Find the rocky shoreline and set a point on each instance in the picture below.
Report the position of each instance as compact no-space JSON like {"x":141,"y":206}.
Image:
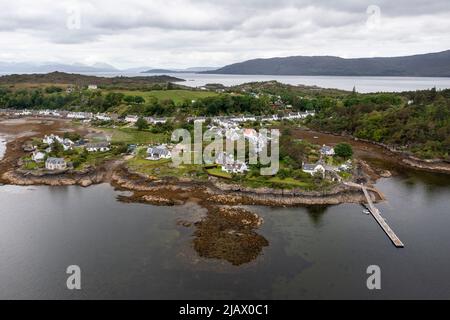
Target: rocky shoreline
{"x":64,"y":178}
{"x":172,"y":191}
{"x":404,"y":158}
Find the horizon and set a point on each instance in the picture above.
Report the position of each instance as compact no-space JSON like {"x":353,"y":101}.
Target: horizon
{"x":147,"y":68}
{"x":184,"y":34}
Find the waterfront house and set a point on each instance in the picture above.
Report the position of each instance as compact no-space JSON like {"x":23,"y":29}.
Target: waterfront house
{"x":235,"y":167}
{"x":98,"y":147}
{"x":223,"y":158}
{"x":312,"y":169}
{"x":66,"y":143}
{"x":327,"y":151}
{"x":159,"y":152}
{"x":55,"y":164}
{"x":38,"y":156}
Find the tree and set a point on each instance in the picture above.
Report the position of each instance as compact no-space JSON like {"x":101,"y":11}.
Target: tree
{"x":141,"y":124}
{"x":57,"y":149}
{"x":343,"y":150}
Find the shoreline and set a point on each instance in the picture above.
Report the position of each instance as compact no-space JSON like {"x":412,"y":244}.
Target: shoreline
{"x":172,"y":191}
{"x":402,"y":158}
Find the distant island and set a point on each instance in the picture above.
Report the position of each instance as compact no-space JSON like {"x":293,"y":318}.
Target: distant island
{"x":187,"y":70}
{"x":422,"y":65}
{"x":86,"y":80}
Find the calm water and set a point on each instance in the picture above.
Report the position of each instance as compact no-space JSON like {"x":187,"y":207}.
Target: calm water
{"x":362,"y":84}
{"x":139,"y":251}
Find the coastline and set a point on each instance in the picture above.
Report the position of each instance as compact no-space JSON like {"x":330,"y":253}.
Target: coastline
{"x":171,"y":191}
{"x":401,"y":157}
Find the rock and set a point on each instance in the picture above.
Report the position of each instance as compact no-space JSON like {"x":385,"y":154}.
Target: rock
{"x":385,"y":174}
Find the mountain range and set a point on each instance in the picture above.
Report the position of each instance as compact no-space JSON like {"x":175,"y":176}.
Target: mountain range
{"x":421,"y":65}
{"x":187,"y":70}
{"x":27,"y":67}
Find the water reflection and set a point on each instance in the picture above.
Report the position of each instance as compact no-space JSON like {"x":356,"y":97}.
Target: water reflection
{"x":316,"y":213}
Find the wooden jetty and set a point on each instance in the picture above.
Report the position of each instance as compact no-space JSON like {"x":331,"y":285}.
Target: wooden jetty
{"x":376,"y":214}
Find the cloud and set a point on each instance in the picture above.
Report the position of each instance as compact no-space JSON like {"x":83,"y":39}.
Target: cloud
{"x":183,"y":33}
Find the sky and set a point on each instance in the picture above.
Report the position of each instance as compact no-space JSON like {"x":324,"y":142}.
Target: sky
{"x":191,"y":33}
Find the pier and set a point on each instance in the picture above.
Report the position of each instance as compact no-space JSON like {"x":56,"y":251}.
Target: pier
{"x":377,"y":215}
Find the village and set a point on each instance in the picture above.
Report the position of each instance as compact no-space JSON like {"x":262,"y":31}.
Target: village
{"x":55,"y":153}
{"x":320,"y":165}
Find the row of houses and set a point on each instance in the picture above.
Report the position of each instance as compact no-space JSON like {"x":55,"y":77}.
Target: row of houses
{"x":229,"y":164}
{"x":133,"y":119}
{"x":321,"y":167}
{"x":52,"y":163}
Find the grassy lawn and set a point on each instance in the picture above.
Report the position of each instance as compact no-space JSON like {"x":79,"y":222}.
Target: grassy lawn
{"x":178,"y":96}
{"x":134,"y":136}
{"x":165,"y":168}
{"x":217,"y":172}
{"x":290,"y":181}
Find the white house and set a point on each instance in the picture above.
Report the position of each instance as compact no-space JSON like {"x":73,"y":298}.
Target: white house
{"x":223,"y":158}
{"x":66,"y":143}
{"x":102,"y":117}
{"x":98,"y":147}
{"x":44,"y":113}
{"x":313,"y":168}
{"x":51,"y":138}
{"x":23,"y":113}
{"x":55,"y":164}
{"x":131,"y":119}
{"x":235,"y":167}
{"x":159,"y":120}
{"x":92,"y":87}
{"x":38,"y":156}
{"x":233,"y":134}
{"x":327,"y":151}
{"x":79,"y":115}
{"x":159,"y":152}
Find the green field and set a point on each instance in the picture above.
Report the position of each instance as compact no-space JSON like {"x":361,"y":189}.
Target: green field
{"x":134,"y":136}
{"x":178,"y":96}
{"x":217,"y":172}
{"x":165,"y":168}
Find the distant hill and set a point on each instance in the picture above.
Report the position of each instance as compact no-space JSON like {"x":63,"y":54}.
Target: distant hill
{"x":25,"y":67}
{"x":187,"y":70}
{"x":422,"y":65}
{"x":84,"y":80}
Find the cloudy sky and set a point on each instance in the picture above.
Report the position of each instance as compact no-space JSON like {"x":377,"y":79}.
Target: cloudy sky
{"x":186,"y":33}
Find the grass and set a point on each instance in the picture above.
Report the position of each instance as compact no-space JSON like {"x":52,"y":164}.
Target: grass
{"x":165,"y":168}
{"x":217,"y":172}
{"x":134,"y":136}
{"x":178,"y":96}
{"x":290,"y":181}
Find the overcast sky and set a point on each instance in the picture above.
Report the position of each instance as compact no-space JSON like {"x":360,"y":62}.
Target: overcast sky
{"x":186,"y":33}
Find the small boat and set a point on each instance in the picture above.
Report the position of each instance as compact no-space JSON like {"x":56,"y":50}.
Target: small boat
{"x":365,"y":211}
